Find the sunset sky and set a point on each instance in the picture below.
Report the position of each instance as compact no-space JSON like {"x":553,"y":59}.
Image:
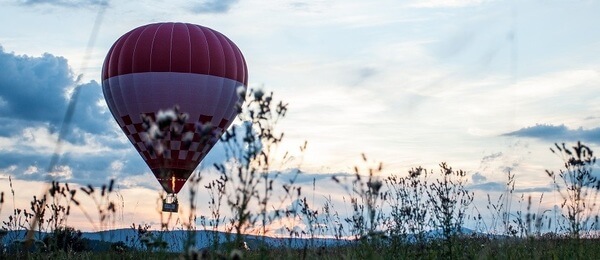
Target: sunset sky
{"x":487,"y":86}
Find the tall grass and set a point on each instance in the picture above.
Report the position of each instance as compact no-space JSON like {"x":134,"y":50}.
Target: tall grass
{"x":423,"y":213}
{"x":578,"y":188}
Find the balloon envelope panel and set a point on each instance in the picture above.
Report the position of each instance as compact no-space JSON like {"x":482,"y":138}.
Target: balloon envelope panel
{"x":175,"y":47}
{"x":159,"y":66}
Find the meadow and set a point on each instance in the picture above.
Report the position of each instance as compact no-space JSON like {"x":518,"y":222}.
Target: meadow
{"x":420,"y":214}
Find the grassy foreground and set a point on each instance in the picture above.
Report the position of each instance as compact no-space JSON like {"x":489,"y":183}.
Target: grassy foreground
{"x":466,"y":248}
{"x":388,"y":216}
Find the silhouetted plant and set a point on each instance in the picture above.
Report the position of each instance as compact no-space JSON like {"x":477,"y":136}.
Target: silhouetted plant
{"x":119,"y":247}
{"x":20,"y":219}
{"x":409,"y":206}
{"x":529,"y":223}
{"x":418,"y":203}
{"x":106,"y":208}
{"x":67,"y":239}
{"x":250,"y":147}
{"x":290,"y":215}
{"x":169,"y":123}
{"x":366,"y":198}
{"x":576,"y":185}
{"x":501,"y":209}
{"x":314,"y":221}
{"x":311,"y":219}
{"x":332,"y":219}
{"x":61,"y":198}
{"x":449,"y":201}
{"x":216,"y":192}
{"x":147,"y":239}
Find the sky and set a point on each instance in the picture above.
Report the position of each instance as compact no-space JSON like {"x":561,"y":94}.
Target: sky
{"x":487,"y":86}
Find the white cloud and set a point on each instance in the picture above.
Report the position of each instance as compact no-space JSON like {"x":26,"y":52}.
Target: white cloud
{"x":117,"y":166}
{"x":40,"y":140}
{"x":61,"y":172}
{"x":9,"y":169}
{"x":32,"y":169}
{"x":145,"y":180}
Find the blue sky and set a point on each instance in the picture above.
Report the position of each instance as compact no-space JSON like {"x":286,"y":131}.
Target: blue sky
{"x":483,"y":85}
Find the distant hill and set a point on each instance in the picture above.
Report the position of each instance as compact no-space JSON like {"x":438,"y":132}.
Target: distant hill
{"x":177,"y":239}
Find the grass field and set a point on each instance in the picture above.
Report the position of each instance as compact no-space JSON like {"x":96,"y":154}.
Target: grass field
{"x":417,"y":215}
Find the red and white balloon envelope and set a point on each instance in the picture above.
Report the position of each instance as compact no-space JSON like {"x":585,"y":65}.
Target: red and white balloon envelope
{"x":162,"y":66}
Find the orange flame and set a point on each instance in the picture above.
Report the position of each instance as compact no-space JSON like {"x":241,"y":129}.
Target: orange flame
{"x":173,"y":183}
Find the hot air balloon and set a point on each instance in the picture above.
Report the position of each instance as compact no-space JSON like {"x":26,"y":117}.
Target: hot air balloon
{"x":160,"y":66}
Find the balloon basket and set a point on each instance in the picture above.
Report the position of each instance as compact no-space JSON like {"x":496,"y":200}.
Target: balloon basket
{"x":170,"y":204}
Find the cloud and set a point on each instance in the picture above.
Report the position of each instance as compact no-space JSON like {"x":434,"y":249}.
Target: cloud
{"x":501,"y":187}
{"x":33,"y":88}
{"x":66,"y":3}
{"x":316,"y":177}
{"x":61,"y":172}
{"x":488,"y":186}
{"x":34,"y":91}
{"x":34,"y":99}
{"x":535,"y":189}
{"x":28,"y":163}
{"x":90,"y":114}
{"x":214,"y":6}
{"x":491,"y":157}
{"x":558,"y":133}
{"x":478,"y":178}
